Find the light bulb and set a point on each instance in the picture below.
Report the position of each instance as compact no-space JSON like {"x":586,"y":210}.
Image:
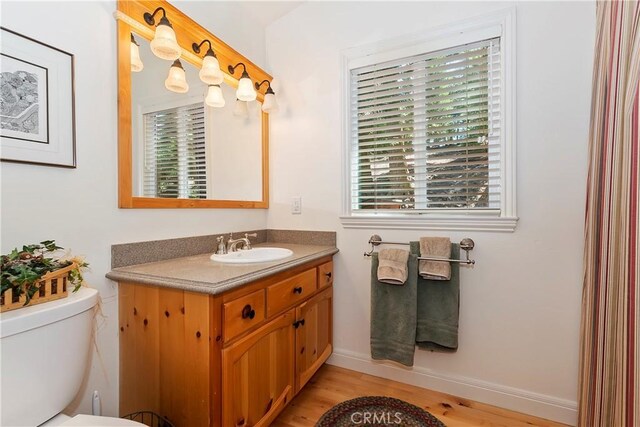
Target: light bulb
{"x":270,"y":105}
{"x":245,"y":91}
{"x":241,"y":109}
{"x":214,"y":97}
{"x":210,"y":73}
{"x":164,"y":44}
{"x":136,"y":62}
{"x":177,"y":79}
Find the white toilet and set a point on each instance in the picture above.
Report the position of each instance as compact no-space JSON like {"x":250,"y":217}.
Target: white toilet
{"x":44,"y":353}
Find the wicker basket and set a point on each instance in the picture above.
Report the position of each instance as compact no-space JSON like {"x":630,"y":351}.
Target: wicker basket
{"x":52,"y":286}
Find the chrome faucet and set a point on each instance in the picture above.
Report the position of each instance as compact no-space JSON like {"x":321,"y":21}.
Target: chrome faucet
{"x":232,"y":244}
{"x":222,"y":249}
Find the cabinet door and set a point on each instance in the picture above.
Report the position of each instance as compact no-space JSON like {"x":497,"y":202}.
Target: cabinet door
{"x":313,"y":335}
{"x":258,"y":374}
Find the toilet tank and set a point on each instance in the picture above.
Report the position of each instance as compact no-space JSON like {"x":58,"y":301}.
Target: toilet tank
{"x":44,"y":351}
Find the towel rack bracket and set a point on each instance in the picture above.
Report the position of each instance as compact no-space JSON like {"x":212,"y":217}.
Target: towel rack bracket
{"x":466,"y":244}
{"x":375,"y":240}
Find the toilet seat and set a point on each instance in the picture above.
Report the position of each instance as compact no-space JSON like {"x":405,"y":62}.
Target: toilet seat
{"x":62,"y":420}
{"x":94,"y":421}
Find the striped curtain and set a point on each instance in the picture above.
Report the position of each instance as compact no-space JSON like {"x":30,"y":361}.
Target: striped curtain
{"x":610,"y":346}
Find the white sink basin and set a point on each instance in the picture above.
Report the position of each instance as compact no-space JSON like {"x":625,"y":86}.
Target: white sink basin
{"x":253,"y":255}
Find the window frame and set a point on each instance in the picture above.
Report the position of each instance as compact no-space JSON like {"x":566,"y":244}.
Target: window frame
{"x":496,"y":24}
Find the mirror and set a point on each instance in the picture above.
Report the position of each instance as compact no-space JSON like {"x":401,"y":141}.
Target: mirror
{"x":182,"y":147}
{"x":174,"y":150}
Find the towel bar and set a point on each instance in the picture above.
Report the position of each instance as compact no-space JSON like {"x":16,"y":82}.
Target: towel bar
{"x":465,"y":244}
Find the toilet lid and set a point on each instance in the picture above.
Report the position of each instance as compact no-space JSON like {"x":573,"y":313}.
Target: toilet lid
{"x":93,"y":421}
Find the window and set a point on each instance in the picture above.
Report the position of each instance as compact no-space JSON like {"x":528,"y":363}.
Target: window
{"x":175,"y":151}
{"x":426,"y":135}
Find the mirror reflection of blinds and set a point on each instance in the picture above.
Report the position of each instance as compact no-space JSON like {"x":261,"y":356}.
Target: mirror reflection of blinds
{"x":425,"y":131}
{"x":175,"y":153}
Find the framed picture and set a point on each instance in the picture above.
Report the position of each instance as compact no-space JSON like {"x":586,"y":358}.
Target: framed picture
{"x":37,"y":123}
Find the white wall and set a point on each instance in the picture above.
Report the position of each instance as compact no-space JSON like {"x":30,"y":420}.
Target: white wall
{"x":239,"y":24}
{"x":78,"y":207}
{"x":520,"y":307}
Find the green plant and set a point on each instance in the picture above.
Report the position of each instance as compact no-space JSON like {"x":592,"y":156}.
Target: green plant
{"x":22,"y":270}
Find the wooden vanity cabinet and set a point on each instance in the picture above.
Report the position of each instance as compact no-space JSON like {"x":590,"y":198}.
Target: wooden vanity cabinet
{"x":234,"y":359}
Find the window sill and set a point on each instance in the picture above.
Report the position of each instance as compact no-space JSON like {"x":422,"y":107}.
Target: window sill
{"x":440,"y":222}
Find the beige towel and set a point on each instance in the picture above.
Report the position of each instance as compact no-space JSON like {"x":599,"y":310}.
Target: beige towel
{"x":392,"y":268}
{"x":435,"y":247}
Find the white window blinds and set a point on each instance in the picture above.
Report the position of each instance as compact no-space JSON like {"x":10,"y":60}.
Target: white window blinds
{"x":175,"y":151}
{"x":425,"y":131}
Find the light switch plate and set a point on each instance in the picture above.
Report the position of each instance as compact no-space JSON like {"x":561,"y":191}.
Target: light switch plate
{"x":296,"y":205}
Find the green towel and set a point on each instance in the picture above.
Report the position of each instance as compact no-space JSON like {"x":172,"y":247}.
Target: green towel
{"x":438,"y":308}
{"x":393,"y":316}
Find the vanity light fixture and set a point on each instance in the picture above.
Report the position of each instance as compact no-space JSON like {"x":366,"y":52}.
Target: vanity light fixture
{"x":245,"y":91}
{"x":210,"y":73}
{"x":177,"y":79}
{"x":241,"y":109}
{"x":164,"y":44}
{"x":136,"y":62}
{"x":214,"y":97}
{"x":270,"y":105}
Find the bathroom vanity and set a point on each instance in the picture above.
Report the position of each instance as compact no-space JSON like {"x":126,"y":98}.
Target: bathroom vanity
{"x":204,"y":343}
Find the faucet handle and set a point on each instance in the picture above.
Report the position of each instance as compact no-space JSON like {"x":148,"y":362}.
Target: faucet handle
{"x":221,"y":250}
{"x":248,"y":243}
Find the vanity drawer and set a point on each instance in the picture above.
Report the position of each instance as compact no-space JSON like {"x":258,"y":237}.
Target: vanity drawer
{"x":325,"y":274}
{"x":242,"y":314}
{"x":290,"y":291}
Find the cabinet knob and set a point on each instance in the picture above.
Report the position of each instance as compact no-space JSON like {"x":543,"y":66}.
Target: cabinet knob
{"x":328,"y":275}
{"x":297,"y":290}
{"x":248,"y":312}
{"x":298,"y":323}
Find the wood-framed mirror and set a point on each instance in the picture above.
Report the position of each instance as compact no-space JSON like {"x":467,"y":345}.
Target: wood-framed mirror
{"x":174,"y":150}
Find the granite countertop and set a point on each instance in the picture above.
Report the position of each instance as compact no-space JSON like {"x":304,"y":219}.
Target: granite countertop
{"x":198,"y":273}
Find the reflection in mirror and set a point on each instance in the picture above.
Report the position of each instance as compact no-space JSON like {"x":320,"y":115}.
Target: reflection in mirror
{"x":182,"y":147}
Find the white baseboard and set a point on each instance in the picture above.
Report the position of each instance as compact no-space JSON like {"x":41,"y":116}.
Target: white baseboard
{"x":539,"y":405}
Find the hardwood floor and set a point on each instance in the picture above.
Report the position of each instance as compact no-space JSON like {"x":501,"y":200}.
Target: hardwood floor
{"x":332,"y":385}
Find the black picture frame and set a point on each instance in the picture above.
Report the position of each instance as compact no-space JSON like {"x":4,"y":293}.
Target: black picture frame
{"x":34,"y":139}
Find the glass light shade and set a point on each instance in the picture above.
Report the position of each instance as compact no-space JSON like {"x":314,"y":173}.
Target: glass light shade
{"x":245,"y":91}
{"x":164,"y":44}
{"x":136,"y":62}
{"x":241,"y":109}
{"x":214,"y":97}
{"x":177,"y":79}
{"x":270,"y":105}
{"x":210,"y":73}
